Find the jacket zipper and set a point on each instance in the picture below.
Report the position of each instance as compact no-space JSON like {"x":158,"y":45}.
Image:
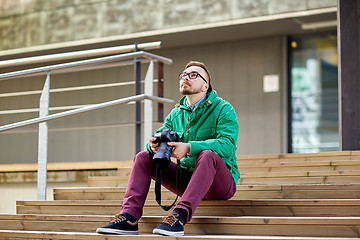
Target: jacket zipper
{"x":187,"y":128}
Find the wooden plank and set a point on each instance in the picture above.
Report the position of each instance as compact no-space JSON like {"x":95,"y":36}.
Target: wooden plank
{"x":302,"y":173}
{"x":53,"y":176}
{"x":281,"y":226}
{"x":298,"y":194}
{"x":239,"y":195}
{"x":284,"y":169}
{"x":213,"y":203}
{"x":259,"y":181}
{"x":5,"y":234}
{"x":275,"y":207}
{"x":301,"y":180}
{"x":256,"y":169}
{"x":261,"y":157}
{"x":321,"y":161}
{"x":355,"y":153}
{"x":320,"y":154}
{"x":115,"y":195}
{"x":124,"y":171}
{"x":128,"y":164}
{"x":108,"y":181}
{"x":322,"y":187}
{"x":296,"y":155}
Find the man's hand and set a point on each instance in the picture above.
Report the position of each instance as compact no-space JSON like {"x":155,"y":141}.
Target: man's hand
{"x":154,"y":146}
{"x":180,"y":149}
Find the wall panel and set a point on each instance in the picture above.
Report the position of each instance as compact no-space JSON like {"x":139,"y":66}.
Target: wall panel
{"x":237,"y":69}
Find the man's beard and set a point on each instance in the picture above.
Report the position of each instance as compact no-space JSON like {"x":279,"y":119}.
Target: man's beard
{"x":185,"y":91}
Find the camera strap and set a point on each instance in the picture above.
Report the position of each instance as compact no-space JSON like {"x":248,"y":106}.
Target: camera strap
{"x":158,"y":185}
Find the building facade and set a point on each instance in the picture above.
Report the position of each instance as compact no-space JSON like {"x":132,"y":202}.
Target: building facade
{"x":275,"y":61}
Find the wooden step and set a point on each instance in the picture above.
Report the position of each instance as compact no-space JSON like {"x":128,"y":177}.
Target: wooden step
{"x":15,"y":234}
{"x":108,"y":181}
{"x":118,"y":181}
{"x":263,"y":226}
{"x":285,"y":165}
{"x":321,"y":191}
{"x":271,"y":207}
{"x":299,"y":155}
{"x":298,"y":180}
{"x":298,"y":160}
{"x":322,"y":169}
{"x":284,"y":171}
{"x":106,"y":193}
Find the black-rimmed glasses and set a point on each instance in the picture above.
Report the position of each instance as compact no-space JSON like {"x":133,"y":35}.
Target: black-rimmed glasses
{"x":191,"y":75}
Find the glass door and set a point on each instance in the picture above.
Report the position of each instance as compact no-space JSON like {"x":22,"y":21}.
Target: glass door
{"x":314,"y":94}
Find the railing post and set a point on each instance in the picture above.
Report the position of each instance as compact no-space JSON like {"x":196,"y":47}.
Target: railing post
{"x":43,"y":142}
{"x":137,"y":70}
{"x":148,"y":104}
{"x":160,"y":73}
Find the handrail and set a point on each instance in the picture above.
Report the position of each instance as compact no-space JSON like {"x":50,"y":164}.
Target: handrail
{"x":84,"y":109}
{"x":86,"y":62}
{"x":79,"y":54}
{"x":137,"y":57}
{"x":69,"y":89}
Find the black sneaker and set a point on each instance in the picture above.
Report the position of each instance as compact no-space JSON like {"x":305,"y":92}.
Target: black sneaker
{"x":123,"y":224}
{"x":171,"y":226}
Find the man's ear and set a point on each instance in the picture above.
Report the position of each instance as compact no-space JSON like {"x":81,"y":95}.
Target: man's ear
{"x":205,"y":88}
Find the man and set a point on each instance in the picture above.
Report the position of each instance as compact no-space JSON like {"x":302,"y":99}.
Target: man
{"x":208,"y":128}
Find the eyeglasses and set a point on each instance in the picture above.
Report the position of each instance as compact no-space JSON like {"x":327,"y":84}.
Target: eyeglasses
{"x":191,"y":75}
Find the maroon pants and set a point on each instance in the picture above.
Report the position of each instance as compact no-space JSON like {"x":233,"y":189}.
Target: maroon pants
{"x":210,"y":180}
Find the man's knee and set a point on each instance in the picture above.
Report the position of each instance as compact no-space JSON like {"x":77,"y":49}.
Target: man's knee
{"x":207,"y":156}
{"x":143,"y":157}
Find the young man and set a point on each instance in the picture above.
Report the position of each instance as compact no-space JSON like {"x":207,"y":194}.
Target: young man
{"x":208,"y":128}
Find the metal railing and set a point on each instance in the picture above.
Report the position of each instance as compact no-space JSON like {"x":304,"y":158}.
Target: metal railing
{"x":44,"y":117}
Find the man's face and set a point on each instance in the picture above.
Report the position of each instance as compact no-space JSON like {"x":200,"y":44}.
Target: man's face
{"x":193,"y":86}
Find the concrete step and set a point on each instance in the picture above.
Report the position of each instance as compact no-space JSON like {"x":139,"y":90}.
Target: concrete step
{"x":14,"y":234}
{"x":244,"y":192}
{"x":270,"y":207}
{"x":263,"y":226}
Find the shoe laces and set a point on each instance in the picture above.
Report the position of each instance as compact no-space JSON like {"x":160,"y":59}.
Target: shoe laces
{"x":171,"y":219}
{"x":121,"y":218}
{"x":118,"y":218}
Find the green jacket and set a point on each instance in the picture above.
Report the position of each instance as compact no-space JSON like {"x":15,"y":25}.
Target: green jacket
{"x":211,"y":126}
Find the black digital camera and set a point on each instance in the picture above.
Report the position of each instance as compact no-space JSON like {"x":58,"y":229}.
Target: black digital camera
{"x":163,"y":155}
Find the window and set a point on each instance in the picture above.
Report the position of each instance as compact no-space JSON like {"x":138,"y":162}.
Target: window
{"x":314,"y":94}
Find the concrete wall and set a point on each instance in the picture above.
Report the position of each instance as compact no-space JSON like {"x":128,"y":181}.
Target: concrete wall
{"x":20,"y":185}
{"x":25,"y":23}
{"x":12,"y":192}
{"x":104,"y":135}
{"x":237,"y":66}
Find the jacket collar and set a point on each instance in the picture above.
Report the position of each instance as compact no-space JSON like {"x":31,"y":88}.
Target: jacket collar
{"x":212,"y":97}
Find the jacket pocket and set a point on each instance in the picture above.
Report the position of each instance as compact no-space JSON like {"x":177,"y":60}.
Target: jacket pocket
{"x":205,"y":133}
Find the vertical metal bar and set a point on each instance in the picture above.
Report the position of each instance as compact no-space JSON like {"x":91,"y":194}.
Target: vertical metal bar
{"x":148,"y":104}
{"x":137,"y":70}
{"x":160,"y":73}
{"x":43,"y":141}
